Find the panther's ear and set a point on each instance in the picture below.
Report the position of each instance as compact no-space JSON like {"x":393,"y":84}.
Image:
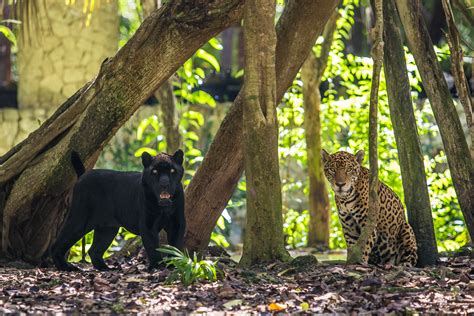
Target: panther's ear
{"x":146,"y":159}
{"x":324,"y":156}
{"x":360,"y":156}
{"x":178,"y":157}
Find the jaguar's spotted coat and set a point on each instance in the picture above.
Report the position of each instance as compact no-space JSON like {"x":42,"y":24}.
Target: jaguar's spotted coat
{"x":393,"y":240}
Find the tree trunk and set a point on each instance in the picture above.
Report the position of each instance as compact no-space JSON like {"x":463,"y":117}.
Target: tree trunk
{"x":417,"y":198}
{"x":214,"y":182}
{"x":263,"y":238}
{"x":454,"y":141}
{"x":362,"y":245}
{"x":462,"y":87}
{"x":311,"y":74}
{"x":169,"y":116}
{"x":36,"y":176}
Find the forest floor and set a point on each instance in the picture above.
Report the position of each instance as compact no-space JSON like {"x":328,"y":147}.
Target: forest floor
{"x":299,"y":286}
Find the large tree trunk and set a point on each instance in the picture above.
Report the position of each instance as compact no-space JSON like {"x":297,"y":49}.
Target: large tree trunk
{"x":263,"y":238}
{"x":214,"y":182}
{"x":311,"y":74}
{"x":454,"y":141}
{"x":417,"y":198}
{"x":36,"y":176}
{"x":358,"y":253}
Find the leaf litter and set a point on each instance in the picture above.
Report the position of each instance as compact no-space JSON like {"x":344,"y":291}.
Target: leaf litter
{"x":284,"y":287}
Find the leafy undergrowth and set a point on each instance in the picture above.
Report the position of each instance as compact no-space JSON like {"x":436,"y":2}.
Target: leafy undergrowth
{"x":299,"y":286}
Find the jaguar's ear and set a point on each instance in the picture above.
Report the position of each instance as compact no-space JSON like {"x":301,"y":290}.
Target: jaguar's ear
{"x":360,"y":156}
{"x":146,"y":159}
{"x":178,"y":157}
{"x":324,"y":156}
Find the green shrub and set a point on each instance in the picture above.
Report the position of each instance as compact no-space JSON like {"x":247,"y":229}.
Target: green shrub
{"x":188,"y":269}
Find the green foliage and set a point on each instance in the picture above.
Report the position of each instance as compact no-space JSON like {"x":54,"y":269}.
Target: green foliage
{"x":130,"y":19}
{"x":188,"y":269}
{"x":295,"y":228}
{"x":448,"y":220}
{"x":218,"y":235}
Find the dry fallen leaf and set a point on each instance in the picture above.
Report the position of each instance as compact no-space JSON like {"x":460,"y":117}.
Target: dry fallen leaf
{"x":304,"y":306}
{"x":276,"y":307}
{"x":232,"y":303}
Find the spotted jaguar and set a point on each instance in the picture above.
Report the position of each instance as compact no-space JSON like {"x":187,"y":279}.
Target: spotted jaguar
{"x":393,"y":240}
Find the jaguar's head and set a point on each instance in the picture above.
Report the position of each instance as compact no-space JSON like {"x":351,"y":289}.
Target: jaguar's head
{"x":342,"y":170}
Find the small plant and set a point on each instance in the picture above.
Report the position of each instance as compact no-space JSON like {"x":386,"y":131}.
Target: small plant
{"x":188,"y":269}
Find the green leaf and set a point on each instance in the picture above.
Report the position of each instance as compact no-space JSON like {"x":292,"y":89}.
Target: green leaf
{"x":5,"y":30}
{"x":202,"y":97}
{"x":201,"y":53}
{"x":214,"y":42}
{"x":140,"y":151}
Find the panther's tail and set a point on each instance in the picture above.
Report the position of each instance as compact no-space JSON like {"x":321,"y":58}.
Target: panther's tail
{"x":80,"y":169}
{"x":77,"y":163}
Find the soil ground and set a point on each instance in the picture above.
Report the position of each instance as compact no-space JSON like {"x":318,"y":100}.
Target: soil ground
{"x":299,"y":286}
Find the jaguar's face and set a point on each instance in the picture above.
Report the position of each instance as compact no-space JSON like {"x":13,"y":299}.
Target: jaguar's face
{"x":342,"y":170}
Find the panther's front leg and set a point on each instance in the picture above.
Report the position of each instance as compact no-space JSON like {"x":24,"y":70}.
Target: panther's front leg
{"x":151,"y":242}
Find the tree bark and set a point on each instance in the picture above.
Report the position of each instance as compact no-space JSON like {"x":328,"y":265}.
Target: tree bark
{"x":215,"y":180}
{"x":355,"y":253}
{"x":454,"y":42}
{"x":35,"y":189}
{"x":311,"y":74}
{"x":417,"y":198}
{"x":263,"y":237}
{"x":452,"y":135}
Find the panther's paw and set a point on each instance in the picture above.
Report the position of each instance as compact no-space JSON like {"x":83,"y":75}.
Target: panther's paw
{"x":69,"y":268}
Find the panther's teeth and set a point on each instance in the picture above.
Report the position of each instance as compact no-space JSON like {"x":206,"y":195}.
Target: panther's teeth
{"x":165,"y":195}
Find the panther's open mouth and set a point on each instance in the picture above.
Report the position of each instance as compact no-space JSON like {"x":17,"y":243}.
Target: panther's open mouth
{"x":165,"y":196}
{"x":165,"y":199}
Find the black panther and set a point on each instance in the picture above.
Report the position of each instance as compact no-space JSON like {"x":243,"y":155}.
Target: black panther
{"x":143,"y":203}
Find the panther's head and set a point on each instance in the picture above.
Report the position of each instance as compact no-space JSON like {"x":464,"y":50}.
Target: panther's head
{"x":342,"y":170}
{"x":162,"y":176}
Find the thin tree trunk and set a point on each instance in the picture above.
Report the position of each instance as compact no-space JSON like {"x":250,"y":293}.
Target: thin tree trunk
{"x":417,"y":198}
{"x":454,"y":141}
{"x":356,"y":252}
{"x":169,"y":116}
{"x":454,"y":42}
{"x":263,"y":238}
{"x":214,"y":182}
{"x":36,"y":176}
{"x":311,"y":74}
